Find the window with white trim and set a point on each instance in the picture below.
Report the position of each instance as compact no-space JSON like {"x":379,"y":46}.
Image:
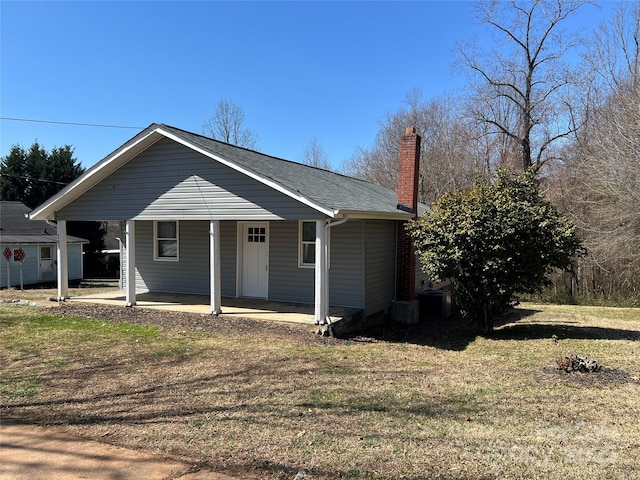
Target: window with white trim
{"x":306,"y":243}
{"x":256,"y":234}
{"x":166,"y":241}
{"x":45,"y":252}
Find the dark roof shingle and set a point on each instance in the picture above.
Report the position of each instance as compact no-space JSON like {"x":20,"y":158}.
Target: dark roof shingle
{"x":15,"y":227}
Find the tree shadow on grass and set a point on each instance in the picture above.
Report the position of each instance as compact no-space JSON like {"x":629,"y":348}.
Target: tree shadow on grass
{"x":561,"y":331}
{"x":453,"y":333}
{"x":456,"y":334}
{"x":517,"y":325}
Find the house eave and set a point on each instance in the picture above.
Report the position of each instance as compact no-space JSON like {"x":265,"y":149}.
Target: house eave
{"x":368,"y":215}
{"x":37,"y":240}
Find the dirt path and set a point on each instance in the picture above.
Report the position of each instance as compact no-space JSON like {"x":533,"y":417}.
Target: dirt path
{"x":28,"y":452}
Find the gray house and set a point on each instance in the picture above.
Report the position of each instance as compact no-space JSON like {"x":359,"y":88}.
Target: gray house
{"x":35,"y":244}
{"x":204,"y":217}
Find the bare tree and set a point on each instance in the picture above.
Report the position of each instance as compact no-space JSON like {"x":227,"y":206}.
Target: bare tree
{"x":451,"y":154}
{"x":227,"y":125}
{"x":601,"y":178}
{"x":519,"y":86}
{"x":315,"y":155}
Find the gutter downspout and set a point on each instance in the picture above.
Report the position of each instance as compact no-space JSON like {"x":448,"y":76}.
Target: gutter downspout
{"x":327,"y":318}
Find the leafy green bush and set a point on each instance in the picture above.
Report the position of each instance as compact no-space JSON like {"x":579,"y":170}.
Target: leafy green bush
{"x":494,"y":240}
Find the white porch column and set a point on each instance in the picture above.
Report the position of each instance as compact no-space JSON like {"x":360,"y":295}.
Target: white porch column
{"x":214,"y":266}
{"x":321,"y":309}
{"x":62,"y":259}
{"x":130,"y":272}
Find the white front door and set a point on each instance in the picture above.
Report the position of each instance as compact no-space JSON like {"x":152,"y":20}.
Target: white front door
{"x":255,"y":259}
{"x":46,"y":263}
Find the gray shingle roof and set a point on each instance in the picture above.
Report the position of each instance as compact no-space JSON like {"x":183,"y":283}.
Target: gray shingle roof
{"x":16,"y":228}
{"x":330,"y":189}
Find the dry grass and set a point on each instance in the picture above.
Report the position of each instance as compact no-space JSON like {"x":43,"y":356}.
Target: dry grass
{"x":260,"y":401}
{"x":44,"y":294}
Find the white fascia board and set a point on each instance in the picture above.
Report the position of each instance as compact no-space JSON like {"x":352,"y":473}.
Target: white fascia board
{"x":270,"y":183}
{"x":366,"y":215}
{"x":84,"y":182}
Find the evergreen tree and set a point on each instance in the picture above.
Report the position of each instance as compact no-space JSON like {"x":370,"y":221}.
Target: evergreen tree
{"x":33,"y":176}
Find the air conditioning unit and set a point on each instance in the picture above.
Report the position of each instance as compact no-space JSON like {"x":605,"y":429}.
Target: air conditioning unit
{"x":434,"y":304}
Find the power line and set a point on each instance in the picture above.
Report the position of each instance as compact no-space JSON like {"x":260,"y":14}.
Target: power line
{"x":69,"y":123}
{"x":28,"y":177}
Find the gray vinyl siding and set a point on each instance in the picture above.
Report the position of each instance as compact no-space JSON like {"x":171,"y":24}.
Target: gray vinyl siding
{"x":347,"y":257}
{"x":228,"y":263}
{"x":189,"y":275}
{"x":380,"y":265}
{"x":287,"y":281}
{"x":290,"y":283}
{"x":31,"y":264}
{"x":74,"y":261}
{"x":170,"y":181}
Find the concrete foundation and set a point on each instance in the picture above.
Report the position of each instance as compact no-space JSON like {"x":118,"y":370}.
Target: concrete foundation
{"x":405,"y":311}
{"x":351,"y":323}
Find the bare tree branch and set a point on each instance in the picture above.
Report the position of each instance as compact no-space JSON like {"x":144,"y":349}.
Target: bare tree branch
{"x":227,"y":125}
{"x":315,"y":155}
{"x":529,"y":74}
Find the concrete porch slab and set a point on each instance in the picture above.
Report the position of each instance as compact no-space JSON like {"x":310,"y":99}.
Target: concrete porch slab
{"x":240,"y":307}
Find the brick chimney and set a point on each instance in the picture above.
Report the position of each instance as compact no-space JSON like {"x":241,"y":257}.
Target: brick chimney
{"x":408,"y":172}
{"x":408,"y":169}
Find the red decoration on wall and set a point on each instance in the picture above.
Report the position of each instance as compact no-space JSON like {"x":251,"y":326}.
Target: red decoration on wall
{"x":19,"y":255}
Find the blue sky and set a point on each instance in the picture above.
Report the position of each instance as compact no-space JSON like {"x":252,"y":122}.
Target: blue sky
{"x":298,"y":69}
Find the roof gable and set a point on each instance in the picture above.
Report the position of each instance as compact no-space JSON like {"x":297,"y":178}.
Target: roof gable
{"x":174,"y":182}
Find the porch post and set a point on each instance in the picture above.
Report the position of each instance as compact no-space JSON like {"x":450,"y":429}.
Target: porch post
{"x":320,"y":272}
{"x":63,"y":264}
{"x":214,"y":266}
{"x":130,"y":272}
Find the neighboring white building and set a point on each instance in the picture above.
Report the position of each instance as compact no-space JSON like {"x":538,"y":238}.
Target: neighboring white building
{"x":38,"y":240}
